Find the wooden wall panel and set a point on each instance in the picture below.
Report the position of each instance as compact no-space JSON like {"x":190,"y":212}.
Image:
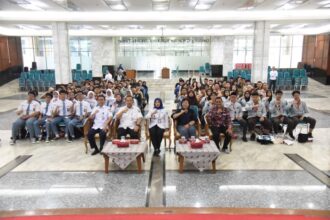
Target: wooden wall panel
{"x":10,"y":52}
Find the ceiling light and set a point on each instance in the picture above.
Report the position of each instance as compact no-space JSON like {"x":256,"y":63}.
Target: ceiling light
{"x":326,"y":6}
{"x":217,"y":26}
{"x":324,"y":2}
{"x":287,"y":6}
{"x":204,"y":4}
{"x":160,"y":5}
{"x":117,"y":5}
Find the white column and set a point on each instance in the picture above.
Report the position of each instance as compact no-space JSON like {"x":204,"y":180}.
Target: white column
{"x":103,"y":53}
{"x":221,"y":52}
{"x":260,"y":51}
{"x":61,"y":53}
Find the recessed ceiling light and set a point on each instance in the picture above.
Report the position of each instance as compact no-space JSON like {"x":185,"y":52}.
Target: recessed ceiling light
{"x":117,"y":5}
{"x":324,"y":2}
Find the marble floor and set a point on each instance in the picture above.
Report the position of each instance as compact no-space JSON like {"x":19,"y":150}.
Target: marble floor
{"x":60,"y":174}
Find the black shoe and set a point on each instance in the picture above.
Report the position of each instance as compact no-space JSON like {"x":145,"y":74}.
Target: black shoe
{"x":291,"y":135}
{"x":253,"y":137}
{"x":95,"y":152}
{"x":310,"y":135}
{"x":244,"y":139}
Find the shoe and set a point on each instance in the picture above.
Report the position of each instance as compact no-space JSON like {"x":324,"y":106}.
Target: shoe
{"x":73,"y":137}
{"x":12,"y":142}
{"x":253,"y":137}
{"x":47,"y":140}
{"x":225,"y":150}
{"x":244,"y":139}
{"x":56,"y":137}
{"x":95,"y":152}
{"x":68,"y":140}
{"x":310,"y":135}
{"x":33,"y":140}
{"x":291,"y":135}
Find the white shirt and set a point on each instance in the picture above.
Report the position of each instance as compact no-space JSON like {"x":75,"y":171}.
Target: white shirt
{"x":108,"y":77}
{"x":59,"y":105}
{"x":160,"y":118}
{"x":85,"y":108}
{"x":43,"y":109}
{"x":129,"y":118}
{"x":273,"y":75}
{"x":101,"y":116}
{"x":92,"y":102}
{"x":29,"y":108}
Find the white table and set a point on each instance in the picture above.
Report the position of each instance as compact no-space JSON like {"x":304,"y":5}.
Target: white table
{"x":124,"y":156}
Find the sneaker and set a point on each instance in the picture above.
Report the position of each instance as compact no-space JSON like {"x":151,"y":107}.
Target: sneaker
{"x":95,"y":152}
{"x":253,"y":137}
{"x":68,"y":140}
{"x":73,"y":137}
{"x":310,"y":135}
{"x":47,"y":140}
{"x":33,"y":140}
{"x":56,"y":137}
{"x":12,"y":141}
{"x":244,"y":139}
{"x":291,"y":135}
{"x":225,"y":150}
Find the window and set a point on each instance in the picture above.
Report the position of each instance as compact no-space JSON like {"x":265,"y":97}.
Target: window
{"x":243,"y":46}
{"x":80,"y":49}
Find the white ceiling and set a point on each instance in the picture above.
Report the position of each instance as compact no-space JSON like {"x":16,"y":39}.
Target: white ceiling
{"x":97,"y":18}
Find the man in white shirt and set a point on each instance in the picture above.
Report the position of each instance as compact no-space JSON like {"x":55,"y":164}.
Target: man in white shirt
{"x":44,"y":118}
{"x":81,"y":110}
{"x":27,"y":112}
{"x":273,"y":77}
{"x":102,"y":117}
{"x":62,"y":112}
{"x":108,"y":77}
{"x":130,"y":118}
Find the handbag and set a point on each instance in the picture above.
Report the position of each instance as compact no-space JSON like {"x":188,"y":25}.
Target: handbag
{"x":264,"y":139}
{"x":303,"y":137}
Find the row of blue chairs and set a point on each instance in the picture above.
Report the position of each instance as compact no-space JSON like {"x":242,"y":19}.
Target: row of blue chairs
{"x":37,"y":79}
{"x":205,"y":69}
{"x":244,"y":73}
{"x":291,"y":79}
{"x":81,"y":75}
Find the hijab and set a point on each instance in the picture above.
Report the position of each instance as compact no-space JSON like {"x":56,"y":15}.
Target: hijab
{"x":161,"y":104}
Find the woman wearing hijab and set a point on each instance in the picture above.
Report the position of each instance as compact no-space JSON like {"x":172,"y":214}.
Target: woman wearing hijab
{"x":158,"y":123}
{"x":109,"y":98}
{"x":91,"y":99}
{"x":55,"y":96}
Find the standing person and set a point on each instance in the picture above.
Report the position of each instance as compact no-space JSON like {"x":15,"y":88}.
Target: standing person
{"x":220,"y":122}
{"x":27,"y":112}
{"x":81,"y":110}
{"x":108,"y":77}
{"x":102,"y":117}
{"x":273,"y":74}
{"x":44,"y":118}
{"x":158,"y":123}
{"x":62,"y":113}
{"x":278,"y":114}
{"x":297,"y":111}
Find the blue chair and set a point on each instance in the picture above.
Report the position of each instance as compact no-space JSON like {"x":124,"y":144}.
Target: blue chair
{"x":230,"y":75}
{"x":236,"y":73}
{"x":207,"y":69}
{"x":303,"y":73}
{"x":21,"y":83}
{"x":201,"y":70}
{"x":84,"y":75}
{"x":296,"y":73}
{"x":243,"y":74}
{"x":297,"y":83}
{"x":248,"y":76}
{"x":78,"y":66}
{"x":287,"y":80}
{"x":303,"y":82}
{"x":280,"y":75}
{"x":90,"y":75}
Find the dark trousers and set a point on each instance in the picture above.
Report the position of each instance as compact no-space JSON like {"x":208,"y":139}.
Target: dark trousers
{"x":243,"y":124}
{"x":216,"y":131}
{"x":156,"y":136}
{"x":276,"y":121}
{"x":272,"y":85}
{"x":311,"y":121}
{"x":124,"y":132}
{"x":91,"y":138}
{"x":266,"y":124}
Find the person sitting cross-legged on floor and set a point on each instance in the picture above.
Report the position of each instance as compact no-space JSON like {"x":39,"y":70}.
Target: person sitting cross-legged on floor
{"x":101,"y":115}
{"x":257,"y":113}
{"x":27,"y":112}
{"x":220,"y":122}
{"x":44,"y":118}
{"x":81,"y":110}
{"x":62,"y":113}
{"x":297,"y":110}
{"x":130,"y":118}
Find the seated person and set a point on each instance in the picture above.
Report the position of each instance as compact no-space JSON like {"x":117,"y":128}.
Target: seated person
{"x":297,"y":110}
{"x":27,"y":112}
{"x":257,"y":113}
{"x":102,"y":117}
{"x":278,"y":114}
{"x":183,"y":95}
{"x":130,"y":118}
{"x":44,"y":118}
{"x":62,"y":111}
{"x":236,"y":113}
{"x":186,"y":120}
{"x":220,"y":122}
{"x":81,"y":110}
{"x":117,"y":104}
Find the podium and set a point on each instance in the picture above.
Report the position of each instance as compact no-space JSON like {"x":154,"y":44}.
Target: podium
{"x":131,"y":74}
{"x":165,"y":73}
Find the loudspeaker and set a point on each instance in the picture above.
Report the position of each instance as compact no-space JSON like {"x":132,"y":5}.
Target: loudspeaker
{"x":216,"y":70}
{"x":34,"y":65}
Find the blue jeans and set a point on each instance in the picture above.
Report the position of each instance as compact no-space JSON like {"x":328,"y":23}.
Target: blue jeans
{"x":187,"y":132}
{"x":74,"y":123}
{"x":41,"y":123}
{"x":19,"y":124}
{"x":56,"y":121}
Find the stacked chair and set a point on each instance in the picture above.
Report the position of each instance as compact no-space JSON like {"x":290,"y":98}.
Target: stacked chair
{"x":37,"y":79}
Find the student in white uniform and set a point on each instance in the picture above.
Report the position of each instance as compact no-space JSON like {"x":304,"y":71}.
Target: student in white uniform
{"x":91,"y":99}
{"x":130,"y":118}
{"x":102,"y":117}
{"x":27,"y":112}
{"x":44,"y":118}
{"x":158,"y":123}
{"x":108,"y":77}
{"x":273,"y":74}
{"x":81,"y":110}
{"x":62,"y":111}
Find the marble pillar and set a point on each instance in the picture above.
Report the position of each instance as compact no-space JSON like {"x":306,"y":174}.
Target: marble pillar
{"x":260,"y":51}
{"x":221,"y":52}
{"x":61,"y":53}
{"x":103,"y":53}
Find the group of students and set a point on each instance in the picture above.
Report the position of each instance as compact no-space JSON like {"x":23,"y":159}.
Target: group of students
{"x":223,"y":104}
{"x":70,"y":106}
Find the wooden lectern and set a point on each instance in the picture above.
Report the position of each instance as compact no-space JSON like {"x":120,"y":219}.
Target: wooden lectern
{"x":131,"y":74}
{"x":165,"y":73}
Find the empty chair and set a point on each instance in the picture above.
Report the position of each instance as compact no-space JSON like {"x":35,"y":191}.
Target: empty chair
{"x":207,"y":69}
{"x":296,"y":73}
{"x":230,"y":75}
{"x":303,"y":82}
{"x":303,"y":73}
{"x":201,"y":70}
